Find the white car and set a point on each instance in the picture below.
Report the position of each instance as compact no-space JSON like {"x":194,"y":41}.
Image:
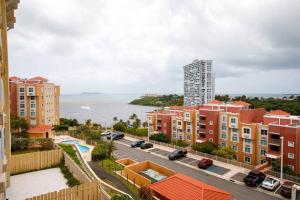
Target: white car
{"x":270,"y":183}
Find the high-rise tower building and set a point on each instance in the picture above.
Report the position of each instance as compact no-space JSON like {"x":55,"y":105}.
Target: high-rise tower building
{"x":199,"y":83}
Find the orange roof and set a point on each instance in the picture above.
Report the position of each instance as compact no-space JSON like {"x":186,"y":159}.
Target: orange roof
{"x":38,"y":78}
{"x":14,"y":78}
{"x":187,"y":188}
{"x":241,"y":103}
{"x":279,"y":112}
{"x":215,"y":102}
{"x":40,"y":128}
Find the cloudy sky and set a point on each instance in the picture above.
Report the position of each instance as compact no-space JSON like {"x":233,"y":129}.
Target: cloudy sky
{"x":140,"y":46}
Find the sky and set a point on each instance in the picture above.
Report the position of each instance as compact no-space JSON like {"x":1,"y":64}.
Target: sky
{"x":141,"y":46}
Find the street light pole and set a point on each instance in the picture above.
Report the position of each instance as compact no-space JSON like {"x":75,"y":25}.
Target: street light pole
{"x":281,"y":158}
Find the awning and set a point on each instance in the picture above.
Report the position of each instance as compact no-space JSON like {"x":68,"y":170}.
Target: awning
{"x":272,"y":156}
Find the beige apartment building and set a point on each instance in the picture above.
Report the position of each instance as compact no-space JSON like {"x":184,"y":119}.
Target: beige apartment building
{"x":35,"y":99}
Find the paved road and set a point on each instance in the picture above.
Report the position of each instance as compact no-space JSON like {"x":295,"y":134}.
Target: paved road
{"x":238,"y":192}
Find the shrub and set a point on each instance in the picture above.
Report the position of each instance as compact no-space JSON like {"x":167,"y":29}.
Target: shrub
{"x":122,"y":197}
{"x":19,"y":143}
{"x":160,"y":137}
{"x":71,"y":181}
{"x":46,"y":143}
{"x":99,"y":152}
{"x":225,"y":152}
{"x":180,"y":143}
{"x":205,"y":147}
{"x":145,"y":193}
{"x":71,"y":152}
{"x":120,"y":126}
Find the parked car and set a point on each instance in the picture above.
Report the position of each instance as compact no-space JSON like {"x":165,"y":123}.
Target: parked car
{"x":254,"y":178}
{"x":270,"y":183}
{"x":115,"y":136}
{"x":286,"y":190}
{"x":146,"y":146}
{"x":177,"y":154}
{"x":106,"y":133}
{"x":137,"y":143}
{"x":205,"y":163}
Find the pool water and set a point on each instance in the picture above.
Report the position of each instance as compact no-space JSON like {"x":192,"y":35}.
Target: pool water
{"x":81,"y":148}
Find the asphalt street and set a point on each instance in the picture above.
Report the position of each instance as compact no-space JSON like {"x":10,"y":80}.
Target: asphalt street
{"x":239,"y":192}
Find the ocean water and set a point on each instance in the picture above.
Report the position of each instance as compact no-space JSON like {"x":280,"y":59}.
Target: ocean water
{"x":101,"y":108}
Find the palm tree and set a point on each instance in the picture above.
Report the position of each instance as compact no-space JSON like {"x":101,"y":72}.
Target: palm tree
{"x":110,"y":147}
{"x":88,"y":123}
{"x":115,"y":119}
{"x":133,"y":116}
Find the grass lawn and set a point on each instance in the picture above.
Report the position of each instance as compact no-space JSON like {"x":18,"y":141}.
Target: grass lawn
{"x":71,"y":152}
{"x":25,"y":151}
{"x":109,"y":165}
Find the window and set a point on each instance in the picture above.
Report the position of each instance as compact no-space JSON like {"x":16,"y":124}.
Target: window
{"x":262,"y":161}
{"x":247,"y":130}
{"x":223,"y":144}
{"x":180,"y":137}
{"x":290,"y":155}
{"x":179,"y":123}
{"x":263,"y":142}
{"x":174,"y":135}
{"x":22,"y":105}
{"x":262,"y":152}
{"x":234,"y":130}
{"x":187,"y":115}
{"x":247,"y":159}
{"x":188,"y":137}
{"x":224,"y":127}
{"x":22,"y":90}
{"x":211,"y":139}
{"x":247,"y":149}
{"x":211,"y":132}
{"x":263,"y":132}
{"x":233,"y":120}
{"x":248,"y":141}
{"x":291,"y":144}
{"x":211,"y":123}
{"x":223,"y":118}
{"x":234,"y":148}
{"x":32,"y":114}
{"x":188,"y":130}
{"x":32,"y":105}
{"x":234,"y":138}
{"x":22,"y":113}
{"x":22,"y":97}
{"x":174,"y":128}
{"x":30,"y":89}
{"x":223,"y":136}
{"x":32,"y":97}
{"x":291,"y":167}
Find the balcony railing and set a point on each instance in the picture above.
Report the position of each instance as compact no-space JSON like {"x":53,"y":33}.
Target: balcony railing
{"x":202,"y":122}
{"x":201,"y":130}
{"x":274,"y":142}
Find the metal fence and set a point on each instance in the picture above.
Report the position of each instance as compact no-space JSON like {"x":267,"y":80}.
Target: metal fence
{"x":285,"y":176}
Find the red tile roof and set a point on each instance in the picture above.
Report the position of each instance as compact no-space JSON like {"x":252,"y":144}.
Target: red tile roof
{"x":279,"y":112}
{"x":181,"y":187}
{"x":215,"y":102}
{"x":38,"y":78}
{"x":241,"y":103}
{"x":14,"y":78}
{"x":40,"y":128}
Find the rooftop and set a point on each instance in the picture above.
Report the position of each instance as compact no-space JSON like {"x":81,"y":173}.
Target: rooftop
{"x":279,"y":113}
{"x":187,"y":188}
{"x":40,"y":128}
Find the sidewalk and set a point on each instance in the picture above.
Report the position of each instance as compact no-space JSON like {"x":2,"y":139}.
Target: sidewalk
{"x":232,"y":168}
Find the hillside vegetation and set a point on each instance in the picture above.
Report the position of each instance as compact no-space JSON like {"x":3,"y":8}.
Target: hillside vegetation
{"x":291,"y":104}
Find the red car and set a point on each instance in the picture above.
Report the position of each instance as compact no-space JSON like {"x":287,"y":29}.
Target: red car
{"x":205,"y":163}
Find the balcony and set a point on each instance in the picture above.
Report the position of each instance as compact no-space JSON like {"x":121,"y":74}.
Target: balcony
{"x":202,"y":122}
{"x":274,"y":142}
{"x":202,"y":135}
{"x":202,"y":130}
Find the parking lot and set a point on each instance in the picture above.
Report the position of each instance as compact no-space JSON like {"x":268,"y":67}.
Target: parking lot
{"x":193,"y":162}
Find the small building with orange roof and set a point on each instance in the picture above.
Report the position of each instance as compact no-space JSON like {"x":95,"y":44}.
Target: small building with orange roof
{"x":182,"y":187}
{"x":41,"y":131}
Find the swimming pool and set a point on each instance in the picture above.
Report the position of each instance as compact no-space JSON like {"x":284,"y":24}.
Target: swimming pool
{"x":81,"y":148}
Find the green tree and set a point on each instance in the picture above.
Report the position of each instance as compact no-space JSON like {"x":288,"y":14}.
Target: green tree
{"x":145,"y":124}
{"x":88,"y":123}
{"x":160,"y":137}
{"x":110,"y":147}
{"x":19,"y":124}
{"x":120,"y":126}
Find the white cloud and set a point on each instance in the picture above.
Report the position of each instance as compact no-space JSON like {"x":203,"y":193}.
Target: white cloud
{"x":140,"y":46}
